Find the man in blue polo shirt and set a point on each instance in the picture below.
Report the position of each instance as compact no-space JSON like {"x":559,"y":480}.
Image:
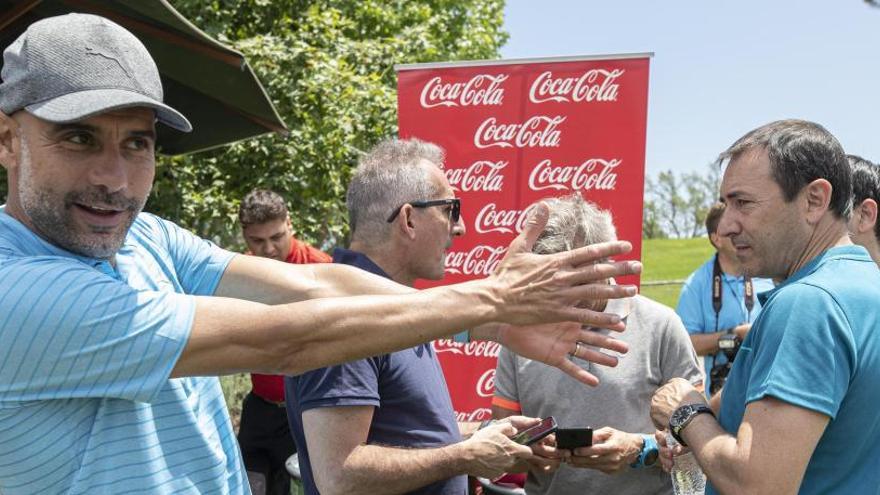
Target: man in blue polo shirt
{"x":715,"y":315}
{"x":799,"y":410}
{"x":114,"y":323}
{"x":385,"y":424}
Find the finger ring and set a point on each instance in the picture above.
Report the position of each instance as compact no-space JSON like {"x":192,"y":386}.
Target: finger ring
{"x":577,"y":348}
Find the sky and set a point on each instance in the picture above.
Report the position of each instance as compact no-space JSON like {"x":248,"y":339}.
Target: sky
{"x":722,"y":68}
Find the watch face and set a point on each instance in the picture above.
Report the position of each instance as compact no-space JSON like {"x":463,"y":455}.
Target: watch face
{"x":651,"y":457}
{"x":679,"y":416}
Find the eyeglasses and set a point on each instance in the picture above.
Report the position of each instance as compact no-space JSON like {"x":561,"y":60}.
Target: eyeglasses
{"x":454,"y":214}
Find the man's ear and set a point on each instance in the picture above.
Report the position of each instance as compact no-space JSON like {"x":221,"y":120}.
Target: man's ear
{"x":9,"y":141}
{"x":817,"y":195}
{"x":404,"y":222}
{"x":867,"y":216}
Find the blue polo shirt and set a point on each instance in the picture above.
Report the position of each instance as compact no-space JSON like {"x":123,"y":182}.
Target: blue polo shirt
{"x":696,"y":311}
{"x":86,"y":403}
{"x":407,"y":389}
{"x":816,"y":345}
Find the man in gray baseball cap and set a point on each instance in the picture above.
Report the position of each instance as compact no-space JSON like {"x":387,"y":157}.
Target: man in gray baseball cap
{"x":100,"y":67}
{"x":115,"y":323}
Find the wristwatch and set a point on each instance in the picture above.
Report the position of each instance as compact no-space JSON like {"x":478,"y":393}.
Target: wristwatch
{"x":682,"y":416}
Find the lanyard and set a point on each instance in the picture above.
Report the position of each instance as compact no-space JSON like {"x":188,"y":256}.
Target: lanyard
{"x":718,"y":291}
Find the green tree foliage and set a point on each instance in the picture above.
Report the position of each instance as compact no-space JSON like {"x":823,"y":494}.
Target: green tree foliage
{"x":676,"y":204}
{"x":328,"y":67}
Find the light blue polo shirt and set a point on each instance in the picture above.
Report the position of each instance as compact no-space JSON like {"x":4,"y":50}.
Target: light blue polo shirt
{"x":696,"y":311}
{"x":86,"y":351}
{"x":816,"y":345}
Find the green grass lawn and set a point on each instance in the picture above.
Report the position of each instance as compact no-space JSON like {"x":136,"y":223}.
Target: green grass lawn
{"x":671,"y":259}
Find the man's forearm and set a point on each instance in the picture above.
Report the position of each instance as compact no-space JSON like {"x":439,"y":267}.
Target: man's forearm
{"x":706,"y":343}
{"x":269,"y":281}
{"x":723,"y":458}
{"x":378,"y":469}
{"x":231,"y":335}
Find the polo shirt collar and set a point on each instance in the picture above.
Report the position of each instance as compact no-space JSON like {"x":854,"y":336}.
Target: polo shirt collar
{"x":853,"y":252}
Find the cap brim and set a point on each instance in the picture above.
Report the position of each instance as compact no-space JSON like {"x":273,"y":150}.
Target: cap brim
{"x":81,"y":105}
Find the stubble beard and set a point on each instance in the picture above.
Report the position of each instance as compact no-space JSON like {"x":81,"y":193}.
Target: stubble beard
{"x":53,"y":220}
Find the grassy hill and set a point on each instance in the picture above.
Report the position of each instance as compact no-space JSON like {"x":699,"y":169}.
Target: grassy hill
{"x":671,"y":259}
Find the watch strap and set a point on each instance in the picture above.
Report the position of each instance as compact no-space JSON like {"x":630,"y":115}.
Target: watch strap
{"x":649,"y":447}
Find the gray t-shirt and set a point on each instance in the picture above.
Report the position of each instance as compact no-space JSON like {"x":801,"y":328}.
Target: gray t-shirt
{"x":659,"y":349}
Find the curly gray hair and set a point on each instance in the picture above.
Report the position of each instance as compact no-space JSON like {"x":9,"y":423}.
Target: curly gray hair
{"x":574,"y":223}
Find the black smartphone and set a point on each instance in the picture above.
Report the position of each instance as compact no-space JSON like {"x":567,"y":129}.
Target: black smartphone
{"x":533,"y":434}
{"x":572,"y":438}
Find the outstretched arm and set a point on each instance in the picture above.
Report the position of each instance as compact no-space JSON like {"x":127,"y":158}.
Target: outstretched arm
{"x":234,"y":334}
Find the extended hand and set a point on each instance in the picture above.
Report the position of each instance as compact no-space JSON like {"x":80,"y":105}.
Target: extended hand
{"x":533,"y":289}
{"x":612,"y":451}
{"x":553,"y":344}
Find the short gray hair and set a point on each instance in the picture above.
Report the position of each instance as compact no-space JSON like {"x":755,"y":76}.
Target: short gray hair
{"x":574,"y":223}
{"x":387,"y":177}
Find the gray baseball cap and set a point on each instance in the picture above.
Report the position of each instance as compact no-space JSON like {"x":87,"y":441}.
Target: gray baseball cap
{"x":68,"y":68}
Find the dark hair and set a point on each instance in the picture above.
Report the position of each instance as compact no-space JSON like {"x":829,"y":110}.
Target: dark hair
{"x":261,"y":206}
{"x":801,"y":152}
{"x":866,"y":183}
{"x":713,"y":217}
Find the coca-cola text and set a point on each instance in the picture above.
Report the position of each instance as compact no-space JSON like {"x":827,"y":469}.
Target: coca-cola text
{"x":538,"y":131}
{"x":593,"y":85}
{"x":482,"y":89}
{"x":594,"y":173}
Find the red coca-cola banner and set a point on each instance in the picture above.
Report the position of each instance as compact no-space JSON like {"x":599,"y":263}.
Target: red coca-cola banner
{"x":515,"y":132}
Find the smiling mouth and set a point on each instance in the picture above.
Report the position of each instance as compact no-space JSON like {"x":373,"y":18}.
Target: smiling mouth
{"x":99,"y":216}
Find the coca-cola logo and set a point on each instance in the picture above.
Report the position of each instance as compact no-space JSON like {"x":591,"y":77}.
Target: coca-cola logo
{"x":593,"y":85}
{"x":482,"y":175}
{"x":480,"y":414}
{"x":480,"y":261}
{"x":492,"y":219}
{"x":477,"y":348}
{"x":486,"y":383}
{"x":539,"y":131}
{"x":482,"y":89}
{"x":595,"y":173}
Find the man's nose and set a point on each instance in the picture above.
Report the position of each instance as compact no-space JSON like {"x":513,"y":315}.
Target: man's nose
{"x":727,"y":224}
{"x":458,"y":228}
{"x":109,"y":170}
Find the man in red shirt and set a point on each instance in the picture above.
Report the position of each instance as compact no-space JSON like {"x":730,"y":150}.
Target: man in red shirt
{"x":264,"y":435}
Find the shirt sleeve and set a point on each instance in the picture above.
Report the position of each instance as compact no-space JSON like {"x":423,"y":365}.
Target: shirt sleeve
{"x":506,"y":392}
{"x":678,"y":359}
{"x":69,"y":331}
{"x":689,"y":307}
{"x":199,"y":263}
{"x":355,"y":383}
{"x":804,"y":352}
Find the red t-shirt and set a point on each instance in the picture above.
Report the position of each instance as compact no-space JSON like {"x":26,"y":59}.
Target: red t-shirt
{"x":271,"y":387}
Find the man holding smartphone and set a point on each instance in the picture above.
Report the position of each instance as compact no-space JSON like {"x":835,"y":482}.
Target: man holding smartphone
{"x":385,"y":424}
{"x":619,"y":456}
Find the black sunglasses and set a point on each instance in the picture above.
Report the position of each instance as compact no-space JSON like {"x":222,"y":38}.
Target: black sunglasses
{"x":454,"y":214}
